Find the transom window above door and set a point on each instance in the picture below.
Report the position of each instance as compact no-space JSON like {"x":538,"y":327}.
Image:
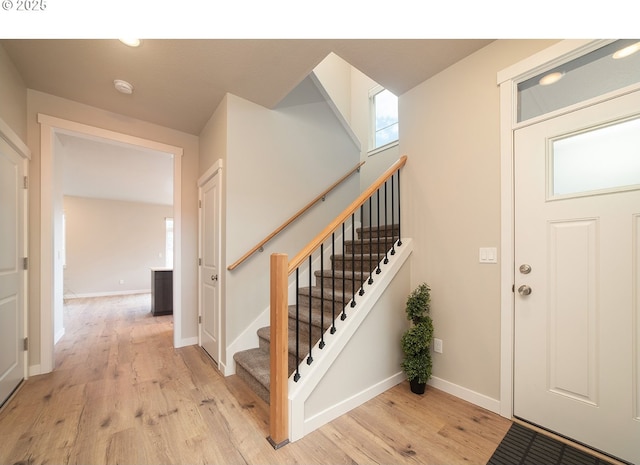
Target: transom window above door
{"x":611,"y":67}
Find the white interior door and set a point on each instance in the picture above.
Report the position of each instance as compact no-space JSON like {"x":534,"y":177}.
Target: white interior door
{"x":209,"y":267}
{"x":11,"y":272}
{"x":577,"y":230}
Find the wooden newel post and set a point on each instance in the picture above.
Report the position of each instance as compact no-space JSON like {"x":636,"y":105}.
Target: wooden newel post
{"x":279,"y":383}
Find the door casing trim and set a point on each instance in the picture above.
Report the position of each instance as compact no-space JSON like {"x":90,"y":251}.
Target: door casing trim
{"x":215,"y":170}
{"x":49,"y":125}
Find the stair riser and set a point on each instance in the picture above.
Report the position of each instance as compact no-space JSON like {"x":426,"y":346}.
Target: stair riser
{"x":366,"y":246}
{"x":366,"y":234}
{"x":366,"y":264}
{"x":265,"y":345}
{"x":315,"y":320}
{"x":327,"y":303}
{"x":248,"y":378}
{"x":325,"y":282}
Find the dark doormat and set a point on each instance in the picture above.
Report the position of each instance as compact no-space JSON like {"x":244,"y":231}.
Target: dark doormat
{"x":522,"y":446}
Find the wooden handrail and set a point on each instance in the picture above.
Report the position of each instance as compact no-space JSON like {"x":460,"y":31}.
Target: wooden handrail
{"x":326,"y":232}
{"x":261,"y":244}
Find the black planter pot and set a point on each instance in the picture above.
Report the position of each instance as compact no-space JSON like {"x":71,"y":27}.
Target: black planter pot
{"x":416,"y":387}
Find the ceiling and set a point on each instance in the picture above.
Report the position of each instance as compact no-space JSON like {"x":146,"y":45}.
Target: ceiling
{"x":111,"y":170}
{"x":178,"y":83}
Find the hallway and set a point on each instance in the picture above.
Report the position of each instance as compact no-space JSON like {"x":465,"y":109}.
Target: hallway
{"x":120,"y":393}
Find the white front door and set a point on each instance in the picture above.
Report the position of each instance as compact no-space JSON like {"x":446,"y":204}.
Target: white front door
{"x":209,"y":272}
{"x":11,"y":271}
{"x":577,"y":251}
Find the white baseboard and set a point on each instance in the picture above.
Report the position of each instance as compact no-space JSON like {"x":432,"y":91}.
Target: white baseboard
{"x":187,"y":341}
{"x":463,"y":393}
{"x":106,"y":294}
{"x":35,"y":370}
{"x":58,"y":336}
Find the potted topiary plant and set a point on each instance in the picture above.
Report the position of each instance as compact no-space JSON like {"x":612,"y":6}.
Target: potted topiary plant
{"x":416,"y":341}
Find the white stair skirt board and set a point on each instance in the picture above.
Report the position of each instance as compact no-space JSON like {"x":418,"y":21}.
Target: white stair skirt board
{"x":248,"y":339}
{"x":311,"y":406}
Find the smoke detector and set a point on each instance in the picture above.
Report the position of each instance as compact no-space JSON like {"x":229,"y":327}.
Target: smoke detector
{"x":123,"y":86}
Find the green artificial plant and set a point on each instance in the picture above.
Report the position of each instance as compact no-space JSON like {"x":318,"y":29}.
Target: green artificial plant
{"x":416,"y":341}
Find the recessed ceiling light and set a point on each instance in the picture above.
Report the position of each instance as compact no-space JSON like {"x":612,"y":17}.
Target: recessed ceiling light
{"x":130,"y":42}
{"x":123,"y":86}
{"x":550,"y":78}
{"x":625,"y":52}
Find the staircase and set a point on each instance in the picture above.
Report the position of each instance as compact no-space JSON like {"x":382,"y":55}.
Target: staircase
{"x":326,"y":300}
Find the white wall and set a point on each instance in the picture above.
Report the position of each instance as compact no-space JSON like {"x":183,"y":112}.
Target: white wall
{"x":335,"y":75}
{"x":277,"y":161}
{"x":451,"y":201}
{"x":13,"y":95}
{"x":109,"y":241}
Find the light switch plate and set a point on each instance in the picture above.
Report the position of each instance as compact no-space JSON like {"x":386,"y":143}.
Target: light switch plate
{"x":488,"y":255}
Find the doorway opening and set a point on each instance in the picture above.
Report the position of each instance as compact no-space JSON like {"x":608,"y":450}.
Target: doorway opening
{"x":52,"y":287}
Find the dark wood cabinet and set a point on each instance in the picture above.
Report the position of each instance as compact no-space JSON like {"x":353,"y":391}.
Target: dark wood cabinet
{"x":161,"y":291}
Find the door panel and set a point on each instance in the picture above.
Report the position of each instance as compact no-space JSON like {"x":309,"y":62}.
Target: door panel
{"x":11,"y":275}
{"x":573,"y":270}
{"x":209,"y":272}
{"x":576,"y":333}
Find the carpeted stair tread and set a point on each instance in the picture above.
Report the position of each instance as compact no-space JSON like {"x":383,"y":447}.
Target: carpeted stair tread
{"x":385,"y":230}
{"x":360,"y":276}
{"x":366,"y":245}
{"x":303,"y":315}
{"x":359,"y":256}
{"x":362,"y":262}
{"x":328,"y":294}
{"x":265,"y":335}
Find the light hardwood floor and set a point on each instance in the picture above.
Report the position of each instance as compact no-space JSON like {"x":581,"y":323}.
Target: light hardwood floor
{"x":121,"y":394}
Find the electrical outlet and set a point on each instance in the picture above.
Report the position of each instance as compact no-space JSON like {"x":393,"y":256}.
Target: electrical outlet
{"x":122,"y":281}
{"x":437,"y":345}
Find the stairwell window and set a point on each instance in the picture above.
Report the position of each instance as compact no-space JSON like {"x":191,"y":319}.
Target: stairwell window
{"x":384,"y":118}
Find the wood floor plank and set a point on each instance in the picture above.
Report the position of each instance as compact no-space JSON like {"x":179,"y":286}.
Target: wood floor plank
{"x":120,"y":393}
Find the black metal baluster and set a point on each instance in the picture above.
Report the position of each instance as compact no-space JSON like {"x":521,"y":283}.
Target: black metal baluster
{"x":296,"y":377}
{"x":386,"y":225}
{"x":361,"y":240}
{"x":353,"y":262}
{"x":393,"y":229}
{"x":344,"y":274}
{"x":378,"y":270}
{"x":310,"y":358}
{"x":370,"y":242}
{"x":399,"y":218}
{"x":321,"y":345}
{"x":333,"y":284}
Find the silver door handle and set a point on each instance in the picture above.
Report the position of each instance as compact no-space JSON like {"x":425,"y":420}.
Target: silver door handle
{"x":214,"y":277}
{"x":525,"y":269}
{"x":524,"y":290}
